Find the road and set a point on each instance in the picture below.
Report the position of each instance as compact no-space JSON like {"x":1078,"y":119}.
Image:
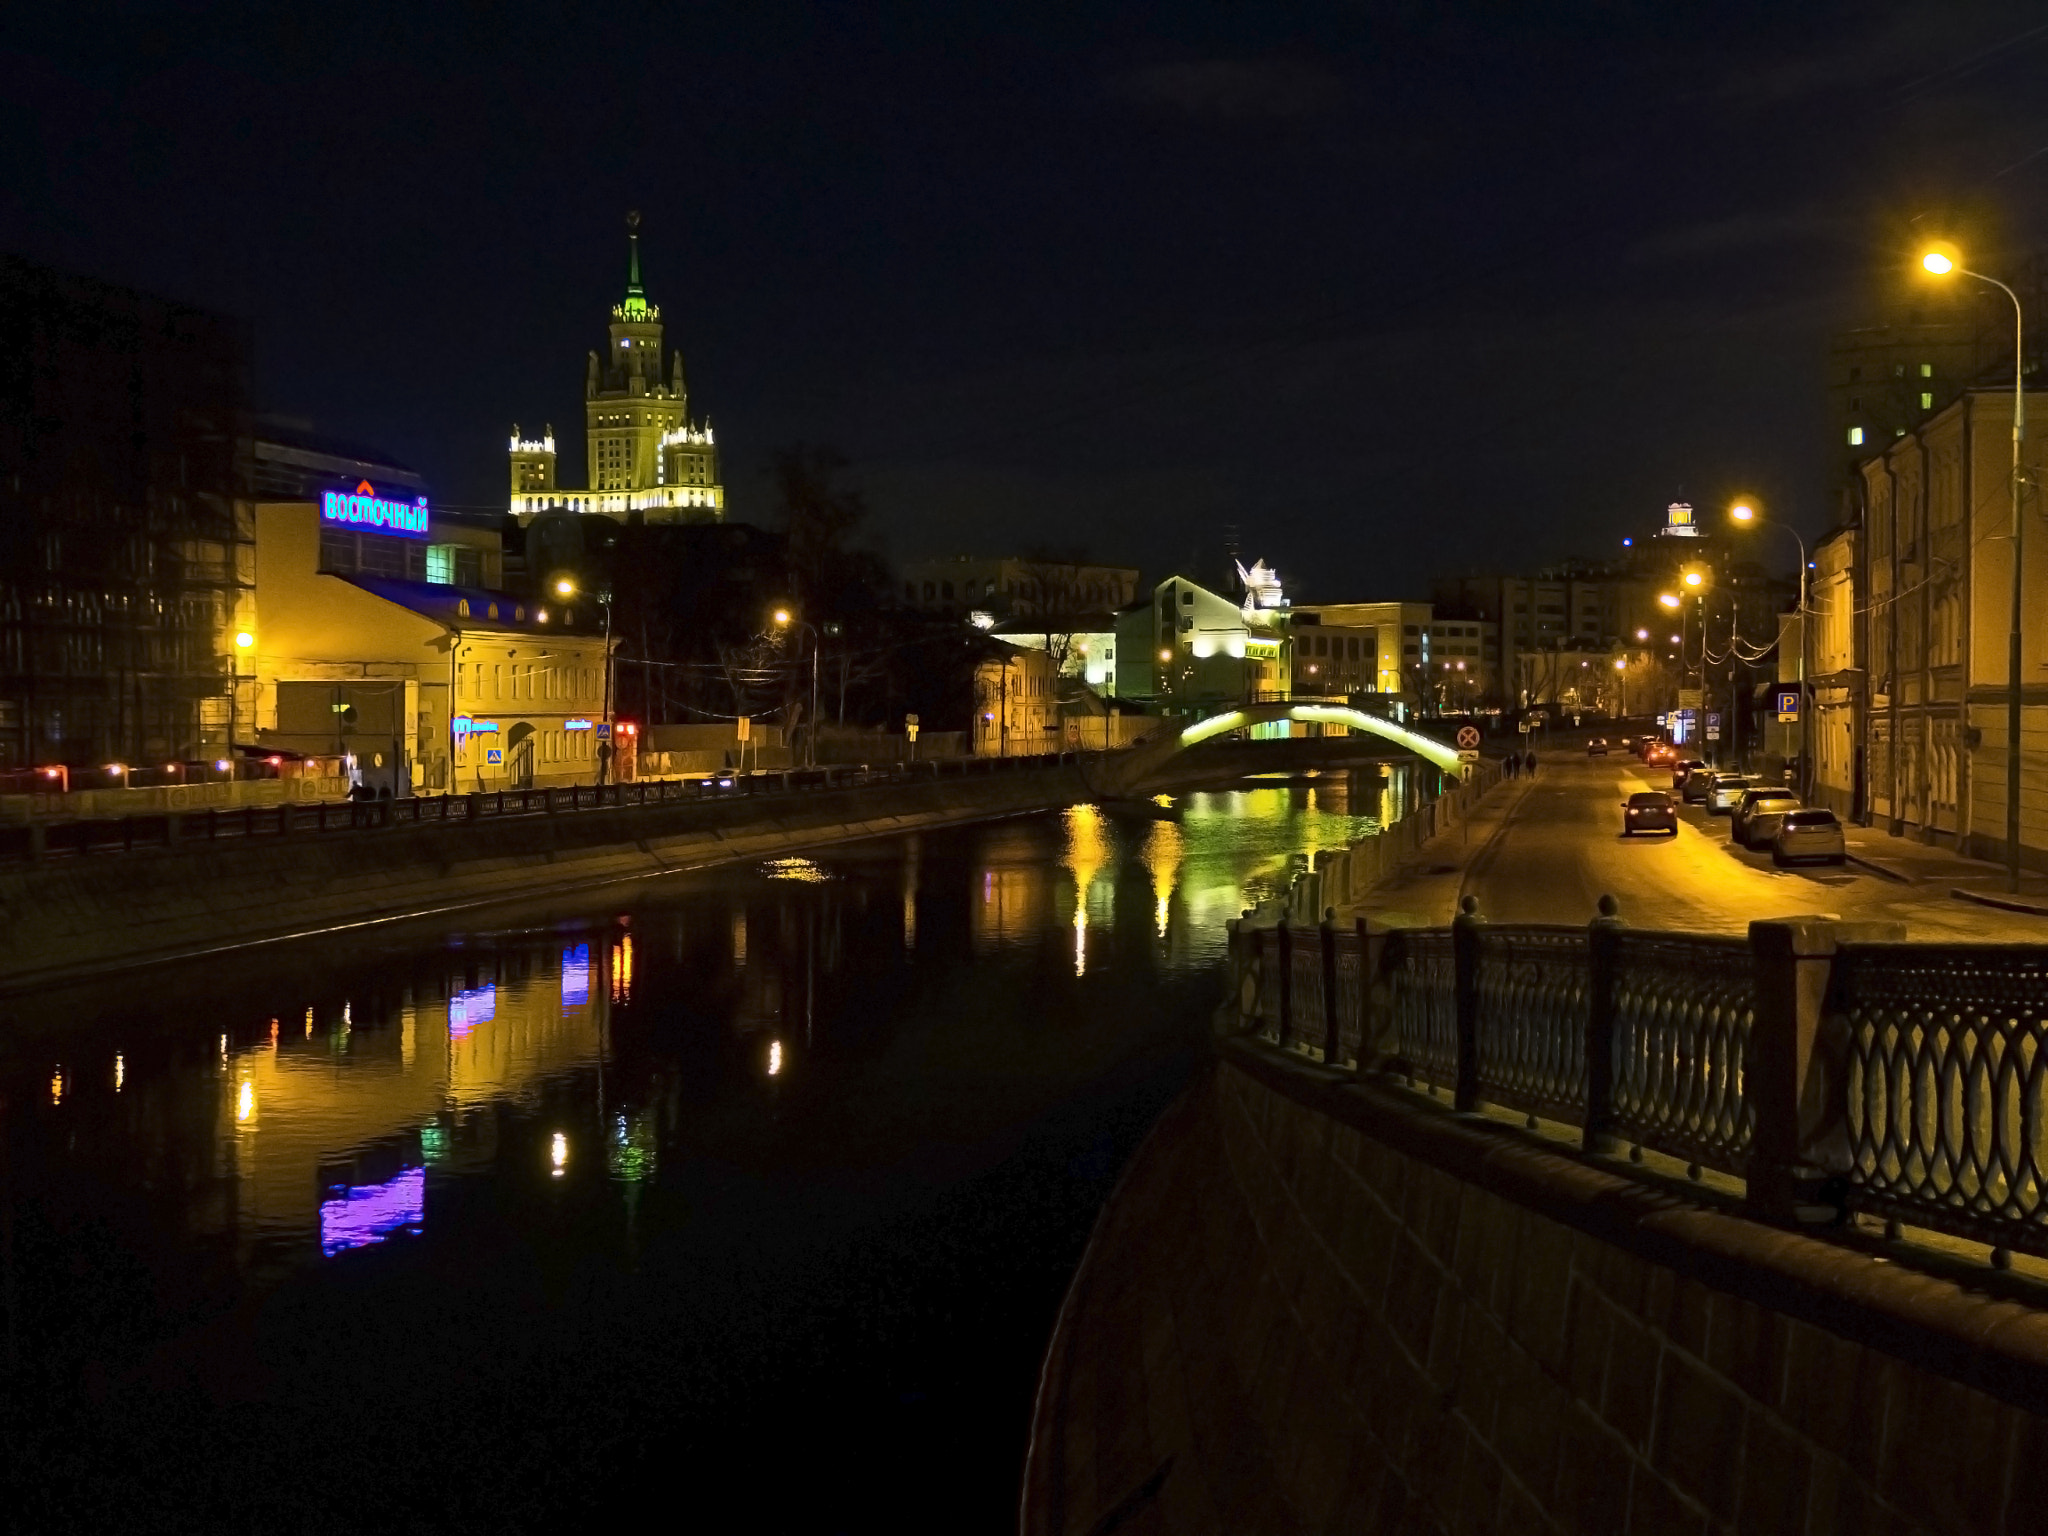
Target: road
{"x":1547,"y":850}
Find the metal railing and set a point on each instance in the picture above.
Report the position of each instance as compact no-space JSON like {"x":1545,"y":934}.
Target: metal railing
{"x":1832,"y":1067}
{"x":37,"y":840}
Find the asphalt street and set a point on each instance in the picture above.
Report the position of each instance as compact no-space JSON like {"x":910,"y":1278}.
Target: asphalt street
{"x":1546,"y":850}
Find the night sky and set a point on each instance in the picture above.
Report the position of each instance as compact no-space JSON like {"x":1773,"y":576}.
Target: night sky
{"x":1392,"y":289}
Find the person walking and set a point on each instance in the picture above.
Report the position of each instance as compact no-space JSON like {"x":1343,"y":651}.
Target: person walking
{"x":1529,"y":762}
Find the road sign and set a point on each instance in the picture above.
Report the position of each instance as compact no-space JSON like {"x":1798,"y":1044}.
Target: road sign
{"x":1689,"y":698}
{"x":1468,"y":736}
{"x":1469,"y":755}
{"x":1788,"y":705}
{"x":1713,"y":733}
{"x":1713,"y":719}
{"x":1523,"y":727}
{"x":743,"y":728}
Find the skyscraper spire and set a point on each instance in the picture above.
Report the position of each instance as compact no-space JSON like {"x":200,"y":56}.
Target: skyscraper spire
{"x":636,"y":306}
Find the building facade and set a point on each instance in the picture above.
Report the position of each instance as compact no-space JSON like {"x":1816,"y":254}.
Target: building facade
{"x":1193,"y":651}
{"x":362,"y":646}
{"x":1937,"y":514}
{"x":1016,"y":703}
{"x":1396,"y":636}
{"x":1014,"y":587}
{"x":646,"y":457}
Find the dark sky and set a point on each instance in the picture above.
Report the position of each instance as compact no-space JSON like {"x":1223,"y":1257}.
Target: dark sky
{"x":1393,"y":289}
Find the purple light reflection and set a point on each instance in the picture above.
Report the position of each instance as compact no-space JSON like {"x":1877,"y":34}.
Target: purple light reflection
{"x":369,"y":1213}
{"x":466,"y":1010}
{"x":576,"y":976}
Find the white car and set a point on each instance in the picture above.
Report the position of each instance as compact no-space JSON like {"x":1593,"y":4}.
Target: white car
{"x":1809,"y":834}
{"x":1726,"y":791}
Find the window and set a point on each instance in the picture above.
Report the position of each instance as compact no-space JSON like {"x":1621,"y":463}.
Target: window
{"x":1927,"y":370}
{"x":441,"y":564}
{"x":1410,"y":629}
{"x":1187,"y":624}
{"x":946,"y":590}
{"x":1927,"y":404}
{"x":1855,"y":375}
{"x":1855,"y":402}
{"x":1855,"y":437}
{"x":1187,"y":598}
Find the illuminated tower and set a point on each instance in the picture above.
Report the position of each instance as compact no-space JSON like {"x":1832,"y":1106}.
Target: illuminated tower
{"x":646,"y":456}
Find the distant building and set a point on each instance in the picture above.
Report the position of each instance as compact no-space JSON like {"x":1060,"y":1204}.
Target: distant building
{"x":1016,"y":587}
{"x":124,"y":535}
{"x":1193,"y":651}
{"x":647,"y":458}
{"x":1083,"y":646}
{"x":1395,"y":634}
{"x":1838,"y":681}
{"x":1016,"y":704}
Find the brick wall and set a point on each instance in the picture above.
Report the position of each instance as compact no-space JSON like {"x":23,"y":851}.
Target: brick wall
{"x":1316,"y":1308}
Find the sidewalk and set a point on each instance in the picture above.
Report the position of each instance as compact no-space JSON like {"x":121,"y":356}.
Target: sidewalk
{"x":1911,"y":862}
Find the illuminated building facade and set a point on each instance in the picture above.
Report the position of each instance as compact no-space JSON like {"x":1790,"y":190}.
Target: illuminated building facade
{"x":1016,"y":703}
{"x":1195,"y":651}
{"x":646,"y":457}
{"x":376,"y":633}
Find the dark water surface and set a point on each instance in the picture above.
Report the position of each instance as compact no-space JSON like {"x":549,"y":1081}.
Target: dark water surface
{"x":748,"y":1198}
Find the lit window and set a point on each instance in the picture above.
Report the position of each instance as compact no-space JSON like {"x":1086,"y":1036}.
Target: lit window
{"x":1927,"y":370}
{"x":1926,"y":401}
{"x":1855,"y":437}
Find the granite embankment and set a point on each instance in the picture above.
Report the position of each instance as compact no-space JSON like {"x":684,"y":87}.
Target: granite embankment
{"x":78,"y":915}
{"x":1318,"y":1304}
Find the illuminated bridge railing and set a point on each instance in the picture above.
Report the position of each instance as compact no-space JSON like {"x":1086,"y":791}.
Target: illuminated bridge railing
{"x":1834,"y":1068}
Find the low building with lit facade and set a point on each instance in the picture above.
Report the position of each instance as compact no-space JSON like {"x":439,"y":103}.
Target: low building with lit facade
{"x":1193,"y":651}
{"x":1937,"y":513}
{"x":1016,"y":703}
{"x":646,"y":458}
{"x":1398,"y":637}
{"x":374,"y":630}
{"x":1083,"y":646}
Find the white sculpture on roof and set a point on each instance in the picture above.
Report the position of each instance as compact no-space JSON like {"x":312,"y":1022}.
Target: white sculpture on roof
{"x":1261,"y":587}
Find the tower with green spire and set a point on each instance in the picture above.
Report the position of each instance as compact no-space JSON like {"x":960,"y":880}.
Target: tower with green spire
{"x":647,"y":458}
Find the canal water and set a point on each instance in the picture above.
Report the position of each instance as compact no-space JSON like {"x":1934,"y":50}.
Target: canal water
{"x":754,"y":1192}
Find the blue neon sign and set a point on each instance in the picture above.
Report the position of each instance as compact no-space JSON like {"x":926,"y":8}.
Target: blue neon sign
{"x":364,"y":508}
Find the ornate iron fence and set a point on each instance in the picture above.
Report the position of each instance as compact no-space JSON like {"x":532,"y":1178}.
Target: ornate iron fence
{"x":1906,"y":1081}
{"x":1684,"y":1009}
{"x":1530,"y":1040}
{"x":1942,"y":1055}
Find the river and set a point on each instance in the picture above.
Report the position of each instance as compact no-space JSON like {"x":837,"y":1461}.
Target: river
{"x":753,"y":1192}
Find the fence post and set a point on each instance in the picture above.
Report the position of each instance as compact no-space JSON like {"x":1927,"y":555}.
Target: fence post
{"x":1375,"y":995}
{"x":1603,"y":960}
{"x":1465,"y":932}
{"x":1794,"y":1091}
{"x":1333,"y":1041}
{"x":1286,"y":964}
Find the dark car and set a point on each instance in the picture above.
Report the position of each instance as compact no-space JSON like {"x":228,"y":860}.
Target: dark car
{"x":1597,"y":747}
{"x":1649,"y":811}
{"x":1680,"y":767}
{"x":1697,"y":784}
{"x":1756,"y":818}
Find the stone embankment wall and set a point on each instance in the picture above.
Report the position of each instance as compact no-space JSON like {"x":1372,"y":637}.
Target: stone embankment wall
{"x":1313,"y":1306}
{"x":77,"y":916}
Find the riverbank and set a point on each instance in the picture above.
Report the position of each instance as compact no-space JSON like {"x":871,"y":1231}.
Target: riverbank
{"x":64,"y":919}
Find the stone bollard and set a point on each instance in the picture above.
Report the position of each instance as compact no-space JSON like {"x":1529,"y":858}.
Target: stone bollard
{"x":1793,"y":1086}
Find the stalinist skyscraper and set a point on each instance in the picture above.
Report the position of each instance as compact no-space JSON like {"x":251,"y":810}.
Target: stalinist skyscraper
{"x":647,"y":457}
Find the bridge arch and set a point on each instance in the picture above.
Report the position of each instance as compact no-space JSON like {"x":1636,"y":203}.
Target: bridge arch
{"x":1427,"y":747}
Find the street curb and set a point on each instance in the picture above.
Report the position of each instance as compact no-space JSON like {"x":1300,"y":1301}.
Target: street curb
{"x":2005,"y":903}
{"x":1884,"y":870}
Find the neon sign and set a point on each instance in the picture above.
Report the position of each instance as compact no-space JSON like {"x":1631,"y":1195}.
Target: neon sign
{"x":364,"y":508}
{"x":575,"y":725}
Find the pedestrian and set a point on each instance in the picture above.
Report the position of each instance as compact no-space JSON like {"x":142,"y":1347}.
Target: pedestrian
{"x":1513,"y":764}
{"x":1530,"y":762}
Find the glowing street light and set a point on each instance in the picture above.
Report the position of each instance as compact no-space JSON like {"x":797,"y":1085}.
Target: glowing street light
{"x":565,"y":587}
{"x":1693,"y":578}
{"x":1941,"y":259}
{"x":782,"y":617}
{"x":244,"y":639}
{"x":1669,"y":599}
{"x":1745,"y":513}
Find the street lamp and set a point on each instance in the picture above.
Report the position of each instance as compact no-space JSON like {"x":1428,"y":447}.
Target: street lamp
{"x":1746,"y":514}
{"x":1942,"y":260}
{"x":566,"y":588}
{"x":783,"y":619}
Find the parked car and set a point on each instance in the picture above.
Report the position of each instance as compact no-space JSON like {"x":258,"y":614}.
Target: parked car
{"x":1650,"y":810}
{"x":1757,"y":814}
{"x":1809,"y":834}
{"x":1698,"y":781}
{"x":1597,"y":747}
{"x":1726,"y":790}
{"x":1681,"y":767}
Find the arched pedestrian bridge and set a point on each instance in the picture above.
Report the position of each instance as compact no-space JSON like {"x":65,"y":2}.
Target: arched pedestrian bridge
{"x":1204,"y":749}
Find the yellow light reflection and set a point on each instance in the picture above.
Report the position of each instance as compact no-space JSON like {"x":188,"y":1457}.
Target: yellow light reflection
{"x":558,"y":1152}
{"x":774,"y":1058}
{"x":57,"y":1086}
{"x":796,"y":869}
{"x":739,"y":939}
{"x":245,"y":1102}
{"x":120,"y":1071}
{"x":1087,"y":852}
{"x":1165,"y":848}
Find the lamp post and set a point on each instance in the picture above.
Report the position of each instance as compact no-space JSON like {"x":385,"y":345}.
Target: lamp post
{"x":1942,"y":260}
{"x":1745,"y":513}
{"x":783,"y":620}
